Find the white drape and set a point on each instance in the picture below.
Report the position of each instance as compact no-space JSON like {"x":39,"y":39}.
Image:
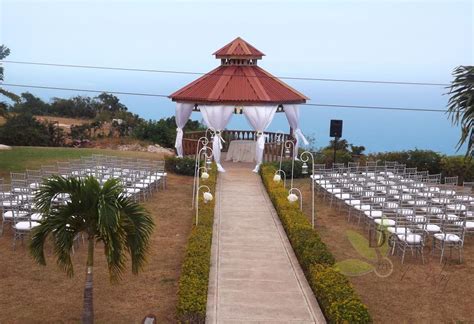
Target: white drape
{"x":292,"y":113}
{"x":183,"y":112}
{"x":259,"y":117}
{"x":217,"y":117}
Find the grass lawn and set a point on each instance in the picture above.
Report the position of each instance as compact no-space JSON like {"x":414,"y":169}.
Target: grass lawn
{"x":37,"y":294}
{"x":21,"y":158}
{"x":413,"y":292}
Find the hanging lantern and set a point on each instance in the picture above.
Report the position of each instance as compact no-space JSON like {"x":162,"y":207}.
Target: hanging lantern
{"x":287,"y":152}
{"x":304,"y":168}
{"x":292,"y":198}
{"x":208,"y":162}
{"x":207,"y":197}
{"x":277,"y":178}
{"x":204,"y":175}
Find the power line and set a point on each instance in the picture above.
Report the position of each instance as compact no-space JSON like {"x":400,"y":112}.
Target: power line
{"x":223,"y":74}
{"x":165,"y":96}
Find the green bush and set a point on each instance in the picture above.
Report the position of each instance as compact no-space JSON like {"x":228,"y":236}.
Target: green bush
{"x":163,"y":131}
{"x":25,"y":130}
{"x":194,"y":279}
{"x":338,"y":300}
{"x":184,"y":166}
{"x":421,"y":159}
{"x":286,"y":167}
{"x":336,"y":296}
{"x":452,"y":166}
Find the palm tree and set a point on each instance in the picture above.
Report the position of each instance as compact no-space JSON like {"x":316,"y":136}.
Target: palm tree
{"x":102,"y":213}
{"x":461,"y":104}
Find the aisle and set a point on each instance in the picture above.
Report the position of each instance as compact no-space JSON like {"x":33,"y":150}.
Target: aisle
{"x":255,"y":276}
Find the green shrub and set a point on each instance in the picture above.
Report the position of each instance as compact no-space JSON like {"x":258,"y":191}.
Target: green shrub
{"x":184,"y":166}
{"x":452,"y":166}
{"x":338,"y":300}
{"x":162,"y":131}
{"x":24,"y":130}
{"x":421,"y":159}
{"x":336,"y":296}
{"x":194,"y":279}
{"x":286,"y":167}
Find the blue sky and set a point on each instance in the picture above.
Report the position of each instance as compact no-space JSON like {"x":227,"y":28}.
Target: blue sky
{"x":382,"y":40}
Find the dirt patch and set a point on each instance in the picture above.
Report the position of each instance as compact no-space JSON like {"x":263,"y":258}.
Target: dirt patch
{"x":414,"y":292}
{"x":32,"y":293}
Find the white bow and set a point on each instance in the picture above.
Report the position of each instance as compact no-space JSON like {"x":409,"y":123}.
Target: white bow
{"x":220,"y":139}
{"x":179,"y":140}
{"x":261,"y":139}
{"x":299,"y":134}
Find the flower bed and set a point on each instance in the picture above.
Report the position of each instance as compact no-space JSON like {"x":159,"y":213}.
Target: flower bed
{"x":194,"y":279}
{"x":336,"y":296}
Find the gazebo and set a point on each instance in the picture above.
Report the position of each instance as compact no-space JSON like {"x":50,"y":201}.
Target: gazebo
{"x":238,"y":86}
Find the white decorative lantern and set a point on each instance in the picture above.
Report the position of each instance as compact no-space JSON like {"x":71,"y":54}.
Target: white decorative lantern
{"x":304,"y":168}
{"x":208,"y":162}
{"x":276,"y":178}
{"x":292,"y":198}
{"x":207,"y":197}
{"x":205,"y":175}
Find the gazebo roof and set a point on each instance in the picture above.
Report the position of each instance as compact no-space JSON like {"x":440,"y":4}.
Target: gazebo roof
{"x":238,"y":48}
{"x":238,"y":81}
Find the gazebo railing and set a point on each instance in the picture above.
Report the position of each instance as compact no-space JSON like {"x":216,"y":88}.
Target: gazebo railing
{"x":273,"y":141}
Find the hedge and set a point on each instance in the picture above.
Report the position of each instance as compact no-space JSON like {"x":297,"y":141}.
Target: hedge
{"x":336,"y":296}
{"x":184,"y":165}
{"x":194,"y":279}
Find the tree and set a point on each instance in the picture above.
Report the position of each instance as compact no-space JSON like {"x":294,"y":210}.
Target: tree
{"x":104,"y":214}
{"x":24,"y":129}
{"x":31,"y":104}
{"x":357,"y":150}
{"x":4,"y":52}
{"x":461,"y":104}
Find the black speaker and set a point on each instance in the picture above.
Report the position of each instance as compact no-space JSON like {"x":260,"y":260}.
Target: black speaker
{"x":336,"y":128}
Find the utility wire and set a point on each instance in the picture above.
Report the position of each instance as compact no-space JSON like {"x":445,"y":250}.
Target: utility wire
{"x":165,"y":96}
{"x":223,"y":74}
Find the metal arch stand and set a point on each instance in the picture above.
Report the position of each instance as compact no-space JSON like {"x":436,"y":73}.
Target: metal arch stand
{"x":304,"y":157}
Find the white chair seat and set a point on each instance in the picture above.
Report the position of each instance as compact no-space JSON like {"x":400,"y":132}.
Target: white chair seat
{"x":456,"y":207}
{"x":417,"y":202}
{"x":450,"y":217}
{"x":316,"y":176}
{"x":373,"y":213}
{"x":9,"y":214}
{"x":362,"y":207}
{"x":433,"y":210}
{"x":469,"y":225}
{"x":385,"y":222}
{"x":352,"y":202}
{"x":397,"y":230}
{"x":334,"y":190}
{"x":36,"y":217}
{"x":25,"y":226}
{"x":447,"y":237}
{"x":416,"y":219}
{"x":431,"y":228}
{"x":410,"y":238}
{"x":343,"y":196}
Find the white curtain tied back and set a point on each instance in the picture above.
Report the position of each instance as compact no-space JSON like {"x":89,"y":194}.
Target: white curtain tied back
{"x":217,"y":117}
{"x":292,"y":113}
{"x":260,"y":117}
{"x":183,"y":112}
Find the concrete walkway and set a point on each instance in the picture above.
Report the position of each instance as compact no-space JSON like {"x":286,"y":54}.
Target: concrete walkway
{"x":255,"y":276}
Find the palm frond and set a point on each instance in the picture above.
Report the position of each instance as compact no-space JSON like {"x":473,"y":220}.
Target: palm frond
{"x":138,"y":225}
{"x":461,"y":103}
